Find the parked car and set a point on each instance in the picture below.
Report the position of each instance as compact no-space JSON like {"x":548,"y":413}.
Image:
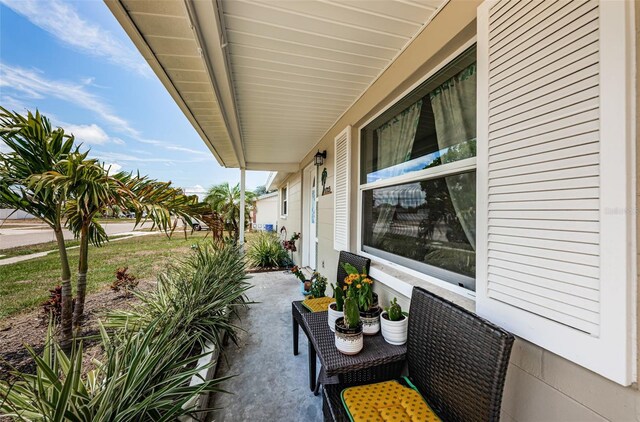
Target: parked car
{"x":198,"y":225}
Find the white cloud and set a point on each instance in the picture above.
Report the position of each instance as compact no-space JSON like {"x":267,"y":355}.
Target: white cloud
{"x":33,"y":84}
{"x":117,"y":141}
{"x":113,"y":167}
{"x":90,"y":134}
{"x":63,"y":21}
{"x":183,"y":149}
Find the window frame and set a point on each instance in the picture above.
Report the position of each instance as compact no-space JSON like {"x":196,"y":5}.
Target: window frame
{"x":284,"y":199}
{"x":456,"y":167}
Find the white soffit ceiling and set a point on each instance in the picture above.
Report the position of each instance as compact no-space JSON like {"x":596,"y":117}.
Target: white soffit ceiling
{"x":263,"y":80}
{"x":162,"y":31}
{"x":297,"y":65}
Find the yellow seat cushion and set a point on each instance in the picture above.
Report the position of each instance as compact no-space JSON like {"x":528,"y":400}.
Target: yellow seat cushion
{"x":317,"y":304}
{"x":386,"y":401}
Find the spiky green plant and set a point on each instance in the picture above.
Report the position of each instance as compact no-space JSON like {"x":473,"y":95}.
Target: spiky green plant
{"x":394,"y":311}
{"x":194,"y":297}
{"x":351,"y":312}
{"x":144,"y":375}
{"x":265,"y":251}
{"x":338,"y":294}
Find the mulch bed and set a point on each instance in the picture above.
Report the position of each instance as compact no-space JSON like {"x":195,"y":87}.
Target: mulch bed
{"x":31,"y":328}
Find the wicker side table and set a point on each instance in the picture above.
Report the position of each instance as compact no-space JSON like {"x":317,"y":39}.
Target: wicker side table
{"x":378,"y":360}
{"x":297,"y":313}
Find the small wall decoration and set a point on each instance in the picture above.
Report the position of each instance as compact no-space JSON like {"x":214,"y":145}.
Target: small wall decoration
{"x":323,"y":179}
{"x":327,"y":191}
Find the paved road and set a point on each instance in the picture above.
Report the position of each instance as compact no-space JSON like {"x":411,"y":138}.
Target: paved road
{"x":30,"y":234}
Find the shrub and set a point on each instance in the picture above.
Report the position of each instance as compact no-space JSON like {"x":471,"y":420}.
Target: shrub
{"x":194,"y":296}
{"x":144,"y":376}
{"x":124,"y":281}
{"x":266,"y":251}
{"x":52,"y":307}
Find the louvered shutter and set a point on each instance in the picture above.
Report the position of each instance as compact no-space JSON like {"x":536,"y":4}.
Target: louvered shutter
{"x":555,"y":178}
{"x":341,"y":190}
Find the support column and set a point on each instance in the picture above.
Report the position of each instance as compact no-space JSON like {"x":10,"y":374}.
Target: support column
{"x":242,"y":205}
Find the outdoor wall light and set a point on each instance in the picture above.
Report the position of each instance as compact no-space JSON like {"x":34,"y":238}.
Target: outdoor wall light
{"x":319,"y":157}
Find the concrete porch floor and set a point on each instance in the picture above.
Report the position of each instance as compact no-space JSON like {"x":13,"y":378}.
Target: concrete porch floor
{"x":271,"y":384}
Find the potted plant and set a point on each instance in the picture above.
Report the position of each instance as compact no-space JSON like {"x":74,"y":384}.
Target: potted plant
{"x":318,"y":285}
{"x":336,"y":308}
{"x":305,"y":285}
{"x":394,"y":324}
{"x":348,"y":329}
{"x":362,"y":287}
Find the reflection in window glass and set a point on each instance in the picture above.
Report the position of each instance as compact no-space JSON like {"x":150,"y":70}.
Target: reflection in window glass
{"x":431,"y":222}
{"x":421,"y":135}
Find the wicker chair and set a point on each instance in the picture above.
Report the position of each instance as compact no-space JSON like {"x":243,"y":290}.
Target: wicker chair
{"x":457,"y":360}
{"x":357,"y":261}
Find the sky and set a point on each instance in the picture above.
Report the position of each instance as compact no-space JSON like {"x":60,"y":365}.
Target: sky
{"x":72,"y":61}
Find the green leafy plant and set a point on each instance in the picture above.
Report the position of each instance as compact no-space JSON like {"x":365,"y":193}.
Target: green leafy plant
{"x":124,"y":281}
{"x":394,"y":311}
{"x":144,"y":375}
{"x":266,"y":251}
{"x":318,"y":284}
{"x":351,"y":312}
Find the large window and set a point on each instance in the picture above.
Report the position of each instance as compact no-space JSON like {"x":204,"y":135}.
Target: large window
{"x":418,"y":181}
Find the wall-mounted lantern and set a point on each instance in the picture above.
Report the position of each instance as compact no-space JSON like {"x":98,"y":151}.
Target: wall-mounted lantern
{"x":319,"y":157}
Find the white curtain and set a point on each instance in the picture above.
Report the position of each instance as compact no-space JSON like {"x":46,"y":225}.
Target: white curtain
{"x":396,"y":137}
{"x":454,"y":110}
{"x":395,"y":143}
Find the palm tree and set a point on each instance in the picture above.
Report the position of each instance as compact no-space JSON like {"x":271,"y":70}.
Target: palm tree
{"x":35,"y":148}
{"x":88,"y":191}
{"x":225,"y":200}
{"x":45,"y":175}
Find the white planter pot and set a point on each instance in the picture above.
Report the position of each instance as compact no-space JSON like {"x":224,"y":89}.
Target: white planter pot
{"x":370,"y":321}
{"x":349,"y":341}
{"x":394,"y":332}
{"x":332,"y":316}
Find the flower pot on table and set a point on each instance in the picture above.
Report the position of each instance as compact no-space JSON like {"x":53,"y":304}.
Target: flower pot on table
{"x":349,"y":341}
{"x":371,"y":320}
{"x":394,"y":332}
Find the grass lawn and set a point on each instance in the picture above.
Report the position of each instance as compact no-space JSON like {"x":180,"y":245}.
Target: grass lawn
{"x":42,"y":247}
{"x":24,"y":285}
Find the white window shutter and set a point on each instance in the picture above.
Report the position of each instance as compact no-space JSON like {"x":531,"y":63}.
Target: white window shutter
{"x":556,"y":235}
{"x":342,"y":166}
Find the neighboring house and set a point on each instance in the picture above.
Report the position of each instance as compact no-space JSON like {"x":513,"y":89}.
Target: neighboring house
{"x":485,"y":151}
{"x":264,"y":215}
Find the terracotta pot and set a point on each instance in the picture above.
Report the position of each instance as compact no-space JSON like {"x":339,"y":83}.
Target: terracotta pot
{"x":394,"y":332}
{"x":371,"y":320}
{"x":349,"y":341}
{"x":333,"y":315}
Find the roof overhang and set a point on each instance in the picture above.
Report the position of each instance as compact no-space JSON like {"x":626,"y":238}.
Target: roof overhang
{"x":262,"y":81}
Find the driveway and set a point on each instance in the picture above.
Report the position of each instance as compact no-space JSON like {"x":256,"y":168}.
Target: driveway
{"x":32,"y":233}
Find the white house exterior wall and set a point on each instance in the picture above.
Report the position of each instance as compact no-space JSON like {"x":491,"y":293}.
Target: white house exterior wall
{"x":540,"y":385}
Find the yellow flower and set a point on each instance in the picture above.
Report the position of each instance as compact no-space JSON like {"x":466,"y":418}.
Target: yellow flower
{"x":344,"y":288}
{"x":358,"y":286}
{"x":367,"y":280}
{"x":348,"y":281}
